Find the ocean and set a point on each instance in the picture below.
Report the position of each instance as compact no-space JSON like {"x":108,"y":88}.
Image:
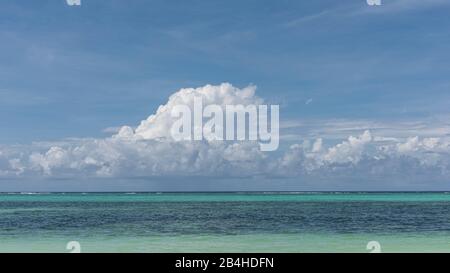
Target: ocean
{"x":225,"y":222}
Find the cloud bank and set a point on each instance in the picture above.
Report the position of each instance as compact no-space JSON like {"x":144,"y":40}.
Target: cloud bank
{"x":149,"y":151}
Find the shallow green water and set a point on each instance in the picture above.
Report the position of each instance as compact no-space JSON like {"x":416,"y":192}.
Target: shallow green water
{"x":225,"y":222}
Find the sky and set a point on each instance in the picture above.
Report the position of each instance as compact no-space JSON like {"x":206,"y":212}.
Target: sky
{"x":363,"y":93}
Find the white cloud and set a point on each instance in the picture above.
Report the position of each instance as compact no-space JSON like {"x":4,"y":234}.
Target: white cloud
{"x":158,"y":125}
{"x":148,"y":152}
{"x":317,"y":146}
{"x":349,"y":151}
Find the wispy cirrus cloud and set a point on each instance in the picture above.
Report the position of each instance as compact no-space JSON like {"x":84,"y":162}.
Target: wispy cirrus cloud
{"x":397,"y":6}
{"x":349,"y":9}
{"x":437,"y":126}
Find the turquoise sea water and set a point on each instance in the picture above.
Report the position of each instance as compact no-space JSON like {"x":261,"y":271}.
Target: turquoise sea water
{"x":225,"y":222}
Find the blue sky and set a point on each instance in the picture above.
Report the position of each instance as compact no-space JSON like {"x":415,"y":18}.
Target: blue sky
{"x":73,"y":72}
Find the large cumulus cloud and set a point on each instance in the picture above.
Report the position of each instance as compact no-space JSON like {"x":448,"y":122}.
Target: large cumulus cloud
{"x":159,"y":125}
{"x":149,"y":151}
